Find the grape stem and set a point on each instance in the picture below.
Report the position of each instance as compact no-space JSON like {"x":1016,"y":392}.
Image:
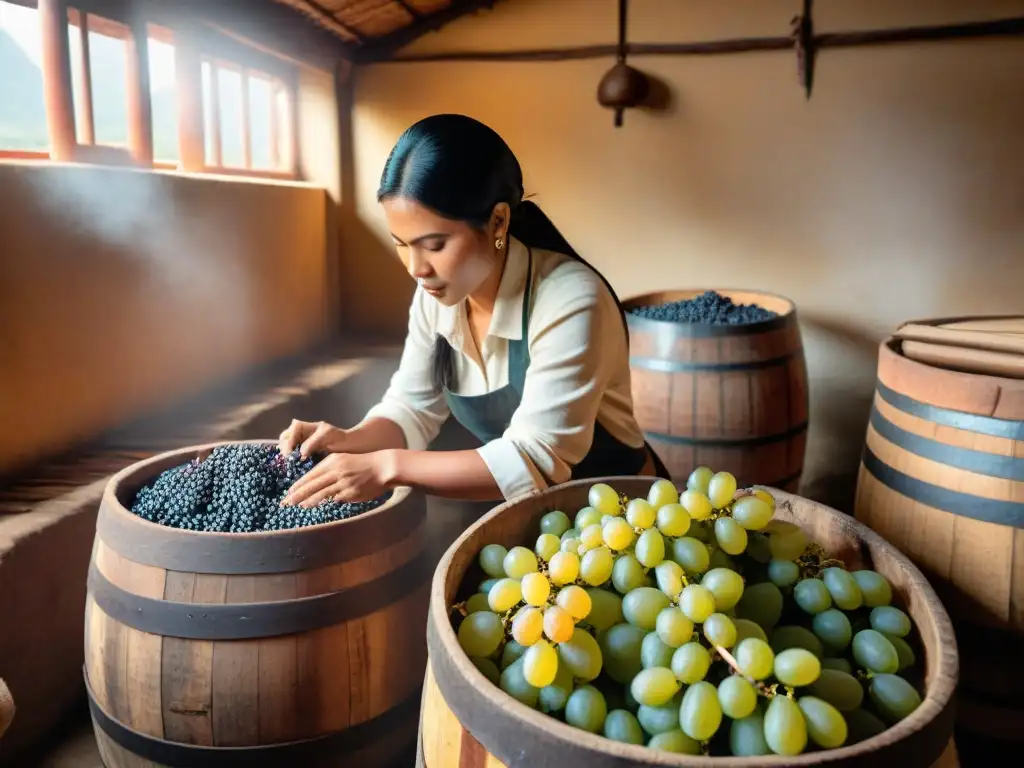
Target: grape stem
{"x":760,"y":687}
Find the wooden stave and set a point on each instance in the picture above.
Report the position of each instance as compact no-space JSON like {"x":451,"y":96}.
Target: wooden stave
{"x":927,"y":732}
{"x":396,"y":616}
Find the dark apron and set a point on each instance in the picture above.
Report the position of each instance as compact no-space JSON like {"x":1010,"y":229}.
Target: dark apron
{"x":487,"y":416}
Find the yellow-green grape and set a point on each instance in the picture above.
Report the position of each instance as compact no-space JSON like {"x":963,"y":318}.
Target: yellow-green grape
{"x":791,"y":636}
{"x":697,"y":603}
{"x":514,"y":683}
{"x":480,"y":633}
{"x":874,"y":587}
{"x":546,"y":547}
{"x":540,"y":663}
{"x":690,"y":663}
{"x":700,"y":714}
{"x":719,"y":559}
{"x":755,"y":658}
{"x":761,"y":603}
{"x":504,"y":595}
{"x":628,"y":574}
{"x":746,"y":628}
{"x":785,"y":729}
{"x":564,"y":568}
{"x":605,"y":519}
{"x":812,"y":596}
{"x":650,"y":548}
{"x":731,"y":536}
{"x":575,"y":601}
{"x":673,"y":520}
{"x":571,"y":544}
{"x":654,"y":653}
{"x":511,"y":652}
{"x":535,"y":588}
{"x":655,"y":686}
{"x":527,"y":625}
{"x":893,"y":697}
{"x":558,"y":624}
{"x":825,"y":726}
{"x":721,"y":489}
{"x":833,"y":629}
{"x":719,"y":630}
{"x":903,"y":651}
{"x":642,"y":606}
{"x":766,"y":497}
{"x":641,"y":514}
{"x":604,"y":499}
{"x":669,"y":576}
{"x":783,"y":573}
{"x":674,"y":741}
{"x":556,"y":523}
{"x":486,"y":584}
{"x":621,"y":647}
{"x":596,"y":566}
{"x":586,"y":709}
{"x":843,"y":691}
{"x":701,"y":531}
{"x":581,"y":655}
{"x":491,"y":560}
{"x":605,"y":608}
{"x":757,"y":547}
{"x":696,"y":504}
{"x":752,"y":513}
{"x":797,"y":667}
{"x":519,"y":561}
{"x":692,"y":554}
{"x":844,"y":589}
{"x":862,"y":725}
{"x":842,"y":665}
{"x":737,"y":697}
{"x":655,"y":720}
{"x":477,"y":602}
{"x":591,"y":536}
{"x":725,"y":585}
{"x":788,"y":544}
{"x":621,"y":725}
{"x":587,"y":516}
{"x":617,"y":534}
{"x":874,"y":652}
{"x":488,"y":668}
{"x":662,"y":492}
{"x":890,"y":620}
{"x":673,"y":627}
{"x":746,"y":736}
{"x":553,"y":697}
{"x":700,"y":480}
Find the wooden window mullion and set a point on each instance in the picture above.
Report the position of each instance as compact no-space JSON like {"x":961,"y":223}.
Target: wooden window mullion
{"x":88,"y":127}
{"x":188,"y":79}
{"x":56,"y":68}
{"x":215,"y":116}
{"x":275,"y":128}
{"x":140,"y":109}
{"x":246,"y":128}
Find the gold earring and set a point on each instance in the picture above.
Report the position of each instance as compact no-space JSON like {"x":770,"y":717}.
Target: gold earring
{"x":499,"y":243}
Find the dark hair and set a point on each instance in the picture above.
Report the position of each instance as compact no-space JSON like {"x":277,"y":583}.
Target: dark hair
{"x":460,"y":168}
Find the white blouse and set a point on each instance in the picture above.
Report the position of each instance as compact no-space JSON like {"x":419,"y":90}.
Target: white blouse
{"x":574,"y":377}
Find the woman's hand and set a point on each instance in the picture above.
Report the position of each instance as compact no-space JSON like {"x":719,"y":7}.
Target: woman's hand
{"x":312,"y":437}
{"x":343,"y":477}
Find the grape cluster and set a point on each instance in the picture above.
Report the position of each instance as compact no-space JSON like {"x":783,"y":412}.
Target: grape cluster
{"x":709,"y":307}
{"x":238,"y":489}
{"x":694,"y":623}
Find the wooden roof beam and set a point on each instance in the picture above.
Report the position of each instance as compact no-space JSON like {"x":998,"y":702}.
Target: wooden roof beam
{"x":332,"y":22}
{"x":385,"y":47}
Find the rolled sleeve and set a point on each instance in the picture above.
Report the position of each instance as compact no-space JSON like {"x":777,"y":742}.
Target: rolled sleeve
{"x":512,"y":472}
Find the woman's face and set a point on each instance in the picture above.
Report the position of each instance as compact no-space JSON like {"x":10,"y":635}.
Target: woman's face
{"x":449,"y":259}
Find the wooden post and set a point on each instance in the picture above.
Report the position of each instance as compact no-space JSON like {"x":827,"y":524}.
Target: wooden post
{"x":140,"y":108}
{"x":56,"y":66}
{"x":189,"y":82}
{"x":246,"y":119}
{"x":86,"y":125}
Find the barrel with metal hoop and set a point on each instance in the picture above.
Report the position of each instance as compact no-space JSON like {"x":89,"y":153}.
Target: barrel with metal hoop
{"x":733,"y":397}
{"x":300,"y":647}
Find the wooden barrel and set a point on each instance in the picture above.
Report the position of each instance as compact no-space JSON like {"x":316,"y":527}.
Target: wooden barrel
{"x":6,"y":707}
{"x":942,"y":478}
{"x":733,"y":397}
{"x":468,"y":721}
{"x":297,"y":647}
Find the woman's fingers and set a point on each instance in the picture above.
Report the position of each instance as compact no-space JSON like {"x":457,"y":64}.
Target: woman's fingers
{"x":322,"y":495}
{"x":315,"y":442}
{"x":292,"y":436}
{"x":317,"y":479}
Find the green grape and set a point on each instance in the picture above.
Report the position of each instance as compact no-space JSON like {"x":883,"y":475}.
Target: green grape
{"x":903,"y":651}
{"x":783,"y":573}
{"x":585,"y":517}
{"x":654,"y":653}
{"x":862,"y":725}
{"x":605,"y":608}
{"x":673,"y":520}
{"x":586,"y":709}
{"x":843,"y":691}
{"x":555,"y":522}
{"x":721,"y":489}
{"x":725,"y":585}
{"x":650,"y":548}
{"x":696,"y":504}
{"x":642,"y":606}
{"x":691,"y":554}
{"x":492,"y":558}
{"x":669,"y":576}
{"x":535,"y":588}
{"x":621,"y":648}
{"x":737,"y":697}
{"x":519,"y":561}
{"x":874,"y":652}
{"x":755,"y":658}
{"x":697,"y":603}
{"x":746,"y":628}
{"x":746,"y":737}
{"x":731,"y":536}
{"x":833,"y":629}
{"x":571,"y":533}
{"x":477,"y":602}
{"x":752,"y":513}
{"x":505,"y":595}
{"x":662,"y":492}
{"x":581,"y":655}
{"x":654,"y":686}
{"x":552,"y":698}
{"x":511,"y":653}
{"x":891,"y":621}
{"x":628,"y":574}
{"x":791,"y":636}
{"x":480,"y":633}
{"x":701,"y":531}
{"x":719,"y":559}
{"x":788,"y":544}
{"x":547,"y":546}
{"x":596,"y":566}
{"x":623,"y":693}
{"x":700,"y":714}
{"x":673,"y":627}
{"x":661,"y":719}
{"x":797,"y":667}
{"x":604,"y":499}
{"x":674,"y":741}
{"x":486,"y":584}
{"x":540,"y":662}
{"x":893,"y":697}
{"x":572,"y":545}
{"x":700,"y":480}
{"x":488,"y":668}
{"x":785,"y":729}
{"x":761,"y":604}
{"x":640,"y":514}
{"x":777,"y":526}
{"x":719,"y":630}
{"x":592,"y":536}
{"x":617,"y":534}
{"x":622,"y":725}
{"x":874,"y":587}
{"x":812,"y":596}
{"x":564,"y":568}
{"x":825,"y":725}
{"x":843,"y":588}
{"x":757,"y":547}
{"x":575,"y":601}
{"x":766,"y":497}
{"x":840,"y":665}
{"x":528,"y":625}
{"x":558,"y":624}
{"x":514,"y":683}
{"x":690,"y":663}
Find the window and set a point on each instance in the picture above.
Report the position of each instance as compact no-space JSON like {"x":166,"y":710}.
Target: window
{"x":23,"y":129}
{"x":163,"y":95}
{"x":99,"y":79}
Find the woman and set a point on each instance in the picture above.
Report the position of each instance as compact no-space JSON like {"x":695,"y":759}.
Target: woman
{"x":510,"y":331}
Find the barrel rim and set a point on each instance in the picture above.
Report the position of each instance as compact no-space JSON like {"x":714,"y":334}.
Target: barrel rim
{"x":935,"y":708}
{"x":782,"y":320}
